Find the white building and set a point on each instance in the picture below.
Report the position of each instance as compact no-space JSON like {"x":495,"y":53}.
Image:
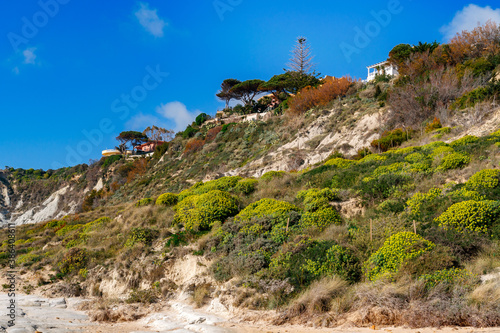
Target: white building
{"x":381,"y":68}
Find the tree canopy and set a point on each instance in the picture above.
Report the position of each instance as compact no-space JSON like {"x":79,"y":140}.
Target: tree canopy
{"x":301,"y":60}
{"x":133,"y":137}
{"x":156,"y":133}
{"x":225,"y":93}
{"x":247,"y":90}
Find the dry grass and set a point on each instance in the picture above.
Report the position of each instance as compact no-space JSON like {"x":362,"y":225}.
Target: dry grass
{"x":112,"y":310}
{"x":200,"y":294}
{"x":318,"y":297}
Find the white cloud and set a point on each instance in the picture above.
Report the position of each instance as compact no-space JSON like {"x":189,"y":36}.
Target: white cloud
{"x":469,"y":18}
{"x":178,"y":113}
{"x":15,"y":70}
{"x":174,"y":115}
{"x":29,"y":55}
{"x":142,"y":121}
{"x":149,"y":19}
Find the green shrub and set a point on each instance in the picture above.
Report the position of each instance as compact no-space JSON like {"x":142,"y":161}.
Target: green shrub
{"x":440,"y":151}
{"x":74,"y":260}
{"x":184,"y":194}
{"x":225,"y":127}
{"x":167,"y":199}
{"x":28,"y":259}
{"x":415,"y":158}
{"x":68,"y":228}
{"x":314,"y":199}
{"x":396,"y":250}
{"x":453,"y":161}
{"x":418,"y":199}
{"x":246,"y":186}
{"x":145,"y":236}
{"x":95,"y":224}
{"x":446,"y":276}
{"x":372,"y":158}
{"x":470,"y":216}
{"x":444,"y":130}
{"x":338,"y":261}
{"x":55,"y":224}
{"x":221,"y":184}
{"x":390,"y":139}
{"x":266,"y":207}
{"x":483,"y":180}
{"x":201,"y":118}
{"x":391,"y":206}
{"x":477,"y":95}
{"x":383,"y":186}
{"x":271,"y":175}
{"x":160,"y":150}
{"x":189,"y":132}
{"x":144,"y":202}
{"x":468,"y":139}
{"x":110,"y":160}
{"x":321,"y":218}
{"x":200,"y":212}
{"x":339,"y":162}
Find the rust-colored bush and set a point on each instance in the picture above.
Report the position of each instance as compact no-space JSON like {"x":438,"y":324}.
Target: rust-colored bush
{"x":310,"y":97}
{"x":481,"y":41}
{"x":139,"y":167}
{"x":194,"y":145}
{"x":212,"y":133}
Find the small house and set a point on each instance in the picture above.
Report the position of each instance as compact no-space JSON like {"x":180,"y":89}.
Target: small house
{"x":381,"y":68}
{"x":148,"y":147}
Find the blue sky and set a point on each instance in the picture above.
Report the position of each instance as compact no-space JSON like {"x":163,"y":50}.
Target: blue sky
{"x":76,"y":73}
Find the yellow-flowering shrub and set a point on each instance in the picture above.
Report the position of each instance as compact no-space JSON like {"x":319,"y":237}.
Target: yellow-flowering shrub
{"x":246,"y":186}
{"x":395,"y":168}
{"x":319,"y":213}
{"x":433,"y":145}
{"x":475,"y":216}
{"x":221,"y":184}
{"x":74,"y":260}
{"x":372,"y":158}
{"x":484,"y":179}
{"x":28,"y":258}
{"x":464,"y":194}
{"x":200,"y":212}
{"x":415,"y":158}
{"x":320,"y":218}
{"x":445,"y":276}
{"x":184,"y":194}
{"x":453,"y":161}
{"x":272,"y":174}
{"x":418,"y":199}
{"x":141,"y":235}
{"x":403,"y":151}
{"x":266,"y":207}
{"x":396,"y":249}
{"x":315,"y":198}
{"x":339,"y":162}
{"x":95,"y":224}
{"x":464,"y":141}
{"x":67,"y":229}
{"x":440,"y":151}
{"x":167,"y":199}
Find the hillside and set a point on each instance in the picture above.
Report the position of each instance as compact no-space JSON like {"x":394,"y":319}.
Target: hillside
{"x":379,"y":206}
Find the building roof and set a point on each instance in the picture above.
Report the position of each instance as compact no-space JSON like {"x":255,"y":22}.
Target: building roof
{"x":378,"y":64}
